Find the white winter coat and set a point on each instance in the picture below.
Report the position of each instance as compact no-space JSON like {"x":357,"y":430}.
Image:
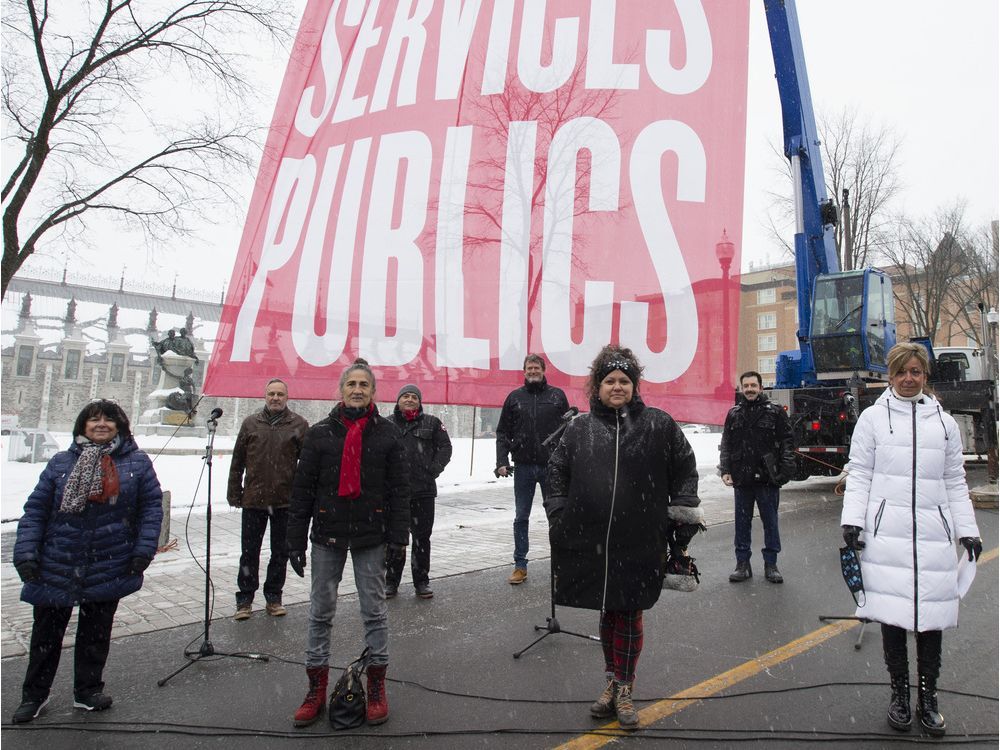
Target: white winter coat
{"x":906,"y":489}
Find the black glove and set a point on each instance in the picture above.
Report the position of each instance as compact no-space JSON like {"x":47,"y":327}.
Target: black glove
{"x":852,"y":537}
{"x":137,"y":565}
{"x":297,"y":559}
{"x":395,"y":552}
{"x":29,"y":571}
{"x":973,"y":545}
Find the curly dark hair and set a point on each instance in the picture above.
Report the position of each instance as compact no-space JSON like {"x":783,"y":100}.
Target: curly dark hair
{"x":109,"y":409}
{"x":609,"y":357}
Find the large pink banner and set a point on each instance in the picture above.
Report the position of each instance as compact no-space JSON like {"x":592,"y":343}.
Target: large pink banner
{"x":448,"y":186}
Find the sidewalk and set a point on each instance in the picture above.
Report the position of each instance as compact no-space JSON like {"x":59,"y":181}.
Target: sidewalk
{"x":472,"y":531}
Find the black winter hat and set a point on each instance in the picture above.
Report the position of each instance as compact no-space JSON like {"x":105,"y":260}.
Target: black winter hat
{"x":409,"y":388}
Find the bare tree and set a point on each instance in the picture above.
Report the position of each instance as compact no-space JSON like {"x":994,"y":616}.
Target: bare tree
{"x":75,"y":106}
{"x":977,"y":283}
{"x":859,"y":156}
{"x":926,"y":259}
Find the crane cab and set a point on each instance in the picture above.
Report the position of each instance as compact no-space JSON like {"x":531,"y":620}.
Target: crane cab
{"x":853,"y":325}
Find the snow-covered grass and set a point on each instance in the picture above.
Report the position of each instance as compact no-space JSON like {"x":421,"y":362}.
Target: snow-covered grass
{"x":471,"y":468}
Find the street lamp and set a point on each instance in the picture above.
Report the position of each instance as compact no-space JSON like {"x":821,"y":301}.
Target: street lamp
{"x":724,"y":252}
{"x":990,"y":350}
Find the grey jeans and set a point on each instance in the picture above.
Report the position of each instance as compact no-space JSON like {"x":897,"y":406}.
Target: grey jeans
{"x":369,"y":577}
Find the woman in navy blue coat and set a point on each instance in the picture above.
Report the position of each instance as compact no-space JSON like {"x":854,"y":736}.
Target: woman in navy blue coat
{"x":89,"y":530}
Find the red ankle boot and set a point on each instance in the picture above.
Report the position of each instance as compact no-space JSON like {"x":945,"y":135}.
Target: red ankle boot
{"x":315,"y":701}
{"x":378,"y":702}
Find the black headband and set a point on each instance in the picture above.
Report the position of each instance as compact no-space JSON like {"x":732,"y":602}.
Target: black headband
{"x":618,"y":364}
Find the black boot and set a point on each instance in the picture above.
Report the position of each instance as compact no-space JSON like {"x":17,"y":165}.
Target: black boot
{"x":899,"y":715}
{"x":742,"y":572}
{"x":927,"y":706}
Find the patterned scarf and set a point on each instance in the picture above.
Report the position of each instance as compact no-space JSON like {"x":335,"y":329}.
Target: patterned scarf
{"x":350,"y":460}
{"x":93,"y":477}
{"x":273,"y":417}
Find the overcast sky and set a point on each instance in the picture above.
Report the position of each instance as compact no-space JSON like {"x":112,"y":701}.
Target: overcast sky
{"x":925,"y":68}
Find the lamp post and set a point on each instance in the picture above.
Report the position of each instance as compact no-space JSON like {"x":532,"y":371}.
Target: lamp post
{"x":724,"y":252}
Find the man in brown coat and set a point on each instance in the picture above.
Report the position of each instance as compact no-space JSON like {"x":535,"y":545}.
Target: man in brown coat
{"x":260,"y":482}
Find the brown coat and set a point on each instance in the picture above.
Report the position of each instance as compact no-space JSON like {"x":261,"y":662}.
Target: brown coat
{"x":267,"y":455}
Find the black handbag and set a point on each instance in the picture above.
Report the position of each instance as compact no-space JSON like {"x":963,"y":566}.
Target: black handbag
{"x":347,"y":701}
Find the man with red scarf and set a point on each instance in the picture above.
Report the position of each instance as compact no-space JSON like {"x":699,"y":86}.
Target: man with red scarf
{"x":352,"y":485}
{"x":428,"y":448}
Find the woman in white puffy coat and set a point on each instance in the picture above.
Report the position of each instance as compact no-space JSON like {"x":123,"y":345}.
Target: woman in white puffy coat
{"x":906,"y":503}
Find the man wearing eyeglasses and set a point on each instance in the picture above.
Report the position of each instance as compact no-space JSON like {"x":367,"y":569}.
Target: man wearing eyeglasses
{"x":756,"y":458}
{"x":260,"y":482}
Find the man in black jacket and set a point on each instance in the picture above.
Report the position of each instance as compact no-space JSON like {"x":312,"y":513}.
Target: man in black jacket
{"x":756,"y":459}
{"x":529,"y":415}
{"x":429,"y":451}
{"x":353,"y":487}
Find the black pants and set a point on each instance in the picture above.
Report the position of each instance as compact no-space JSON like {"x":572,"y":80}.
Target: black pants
{"x":928,"y":651}
{"x":421,"y":523}
{"x":93,"y":639}
{"x":247,"y":580}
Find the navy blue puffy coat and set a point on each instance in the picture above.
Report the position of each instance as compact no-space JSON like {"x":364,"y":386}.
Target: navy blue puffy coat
{"x":84,"y":557}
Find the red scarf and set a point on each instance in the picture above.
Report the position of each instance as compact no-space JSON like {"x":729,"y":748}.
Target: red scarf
{"x":350,"y":460}
{"x":410,"y":414}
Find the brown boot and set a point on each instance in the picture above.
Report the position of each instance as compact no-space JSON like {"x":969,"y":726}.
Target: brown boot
{"x":378,"y":702}
{"x":627,"y":717}
{"x":315,"y":701}
{"x":604,"y":706}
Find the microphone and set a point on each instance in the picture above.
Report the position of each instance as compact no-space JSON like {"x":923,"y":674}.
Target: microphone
{"x":216,"y":413}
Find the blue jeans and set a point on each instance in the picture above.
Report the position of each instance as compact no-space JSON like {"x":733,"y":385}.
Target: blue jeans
{"x":766,"y":498}
{"x":526,"y":476}
{"x":369,"y":577}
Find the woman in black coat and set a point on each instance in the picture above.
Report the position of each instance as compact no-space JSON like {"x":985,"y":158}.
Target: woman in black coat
{"x":89,"y":530}
{"x":612,"y":480}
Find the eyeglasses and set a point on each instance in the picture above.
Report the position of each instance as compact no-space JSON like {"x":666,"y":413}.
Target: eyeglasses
{"x":913,"y":373}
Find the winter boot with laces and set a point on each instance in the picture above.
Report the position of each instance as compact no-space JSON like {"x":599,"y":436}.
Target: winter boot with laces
{"x":899,"y":715}
{"x":627,"y":717}
{"x":315,"y":701}
{"x":378,"y":702}
{"x":604,"y":706}
{"x":927,"y":706}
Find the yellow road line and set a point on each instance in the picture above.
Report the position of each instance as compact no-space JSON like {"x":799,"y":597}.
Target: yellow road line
{"x":716,"y":684}
{"x":720,"y":682}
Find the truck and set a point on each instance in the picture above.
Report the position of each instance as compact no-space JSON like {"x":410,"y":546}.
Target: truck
{"x":846,"y":319}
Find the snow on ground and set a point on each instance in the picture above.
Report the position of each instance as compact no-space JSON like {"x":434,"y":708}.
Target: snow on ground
{"x":471,"y":468}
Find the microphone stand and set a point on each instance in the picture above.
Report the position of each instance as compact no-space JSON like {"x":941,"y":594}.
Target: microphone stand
{"x":551,"y":623}
{"x":207,"y":649}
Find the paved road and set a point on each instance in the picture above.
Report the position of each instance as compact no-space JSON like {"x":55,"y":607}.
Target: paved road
{"x":456,"y":685}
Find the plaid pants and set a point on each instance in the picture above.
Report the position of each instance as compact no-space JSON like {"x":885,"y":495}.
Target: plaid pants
{"x":621,"y":640}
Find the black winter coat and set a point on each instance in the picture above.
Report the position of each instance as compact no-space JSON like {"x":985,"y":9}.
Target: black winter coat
{"x":85,"y":557}
{"x":611,"y":480}
{"x":428,"y":448}
{"x":380,"y":514}
{"x":756,"y":445}
{"x":529,"y":415}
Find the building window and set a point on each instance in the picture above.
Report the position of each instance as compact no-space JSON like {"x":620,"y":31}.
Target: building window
{"x":72,"y":369}
{"x":765,"y":364}
{"x":766,"y":321}
{"x":971,"y":341}
{"x":767,"y":342}
{"x":765,"y":296}
{"x":117,"y":371}
{"x":25,"y":357}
